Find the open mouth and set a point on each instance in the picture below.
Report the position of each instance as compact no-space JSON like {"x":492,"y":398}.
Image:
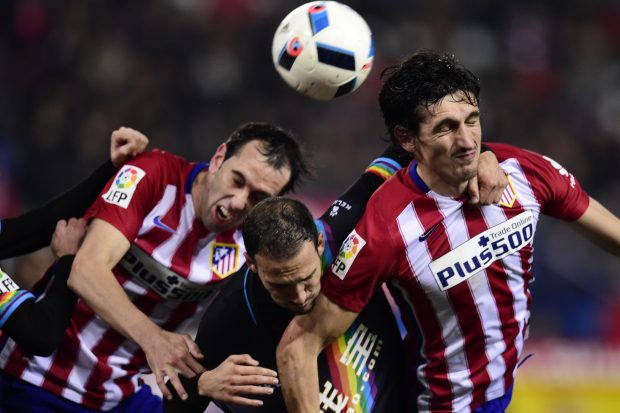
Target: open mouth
{"x":222,"y":213}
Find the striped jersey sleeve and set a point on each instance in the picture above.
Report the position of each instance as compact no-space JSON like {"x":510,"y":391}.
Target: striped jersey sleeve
{"x":556,"y":189}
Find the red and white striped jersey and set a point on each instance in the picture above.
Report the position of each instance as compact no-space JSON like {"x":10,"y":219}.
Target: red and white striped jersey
{"x":168,"y":273}
{"x":460,"y":273}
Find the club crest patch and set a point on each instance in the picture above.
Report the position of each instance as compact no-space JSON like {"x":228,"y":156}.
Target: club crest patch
{"x":348,"y":251}
{"x":509,"y":196}
{"x":224,"y":258}
{"x":124,"y":185}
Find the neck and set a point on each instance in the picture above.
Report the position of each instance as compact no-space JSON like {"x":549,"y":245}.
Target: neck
{"x":199,"y":187}
{"x":439,"y":184}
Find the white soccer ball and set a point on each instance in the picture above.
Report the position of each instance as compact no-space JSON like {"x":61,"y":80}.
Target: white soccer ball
{"x":323,"y":49}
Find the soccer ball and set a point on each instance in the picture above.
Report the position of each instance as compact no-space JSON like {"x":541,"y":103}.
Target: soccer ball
{"x":323,"y":49}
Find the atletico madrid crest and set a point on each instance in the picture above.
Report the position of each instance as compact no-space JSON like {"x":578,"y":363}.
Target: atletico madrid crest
{"x":224,"y":258}
{"x":509,"y":196}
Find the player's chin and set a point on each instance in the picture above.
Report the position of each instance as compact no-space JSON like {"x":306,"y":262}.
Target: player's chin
{"x":301,"y":310}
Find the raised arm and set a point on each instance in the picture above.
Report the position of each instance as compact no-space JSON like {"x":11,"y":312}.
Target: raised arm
{"x":297,"y":353}
{"x":33,"y":230}
{"x":92,"y":279}
{"x":600,"y":226}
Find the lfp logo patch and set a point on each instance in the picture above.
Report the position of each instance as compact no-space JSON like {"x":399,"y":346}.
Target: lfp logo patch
{"x":348,"y":251}
{"x":7,"y":285}
{"x":124,"y":186}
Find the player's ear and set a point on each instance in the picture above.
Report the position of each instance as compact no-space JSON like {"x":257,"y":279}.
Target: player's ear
{"x":404,"y":138}
{"x":218,"y":158}
{"x":250,"y":263}
{"x":320,"y":247}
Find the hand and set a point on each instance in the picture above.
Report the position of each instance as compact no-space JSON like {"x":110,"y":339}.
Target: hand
{"x":487,"y":188}
{"x":235,"y":377}
{"x":168,"y":353}
{"x":68,"y":237}
{"x":126,"y":143}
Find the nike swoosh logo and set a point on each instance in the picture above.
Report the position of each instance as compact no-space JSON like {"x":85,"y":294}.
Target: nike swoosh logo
{"x":427,"y":233}
{"x":163,"y":226}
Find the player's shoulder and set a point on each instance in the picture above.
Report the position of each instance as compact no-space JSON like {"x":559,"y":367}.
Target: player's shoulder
{"x":505,"y":151}
{"x":395,"y":192}
{"x":158,"y":156}
{"x":515,"y":158}
{"x":160,"y":165}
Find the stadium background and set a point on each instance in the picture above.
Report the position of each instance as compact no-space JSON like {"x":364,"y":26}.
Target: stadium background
{"x":186,"y":72}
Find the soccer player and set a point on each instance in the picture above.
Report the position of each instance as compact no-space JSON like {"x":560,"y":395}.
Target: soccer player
{"x":461,"y":272}
{"x":287,"y":252}
{"x":162,"y":235}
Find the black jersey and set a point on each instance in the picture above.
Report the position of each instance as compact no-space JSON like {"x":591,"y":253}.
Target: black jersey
{"x":361,"y":370}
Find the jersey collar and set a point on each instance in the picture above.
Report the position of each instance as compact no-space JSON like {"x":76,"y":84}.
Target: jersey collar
{"x":196,"y":169}
{"x":415,"y":177}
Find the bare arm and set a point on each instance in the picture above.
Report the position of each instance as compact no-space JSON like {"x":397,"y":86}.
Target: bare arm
{"x":297,"y":353}
{"x":92,"y":279}
{"x":600,"y":226}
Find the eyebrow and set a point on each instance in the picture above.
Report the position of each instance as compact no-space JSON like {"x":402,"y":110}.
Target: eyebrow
{"x":259,"y":192}
{"x":308,"y":277}
{"x":449,"y":120}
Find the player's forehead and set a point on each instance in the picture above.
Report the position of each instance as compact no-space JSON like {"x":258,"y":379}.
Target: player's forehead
{"x":458,"y":105}
{"x":304,"y":265}
{"x":250,"y":165}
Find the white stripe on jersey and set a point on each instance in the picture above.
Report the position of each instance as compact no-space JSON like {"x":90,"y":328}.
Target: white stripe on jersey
{"x":165,"y":251}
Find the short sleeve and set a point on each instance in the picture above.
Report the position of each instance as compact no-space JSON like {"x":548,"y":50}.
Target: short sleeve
{"x":558,"y":191}
{"x":363,"y":263}
{"x":132,"y":193}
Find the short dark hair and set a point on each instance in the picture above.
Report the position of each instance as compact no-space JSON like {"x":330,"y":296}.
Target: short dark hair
{"x":422,"y":80}
{"x":280,"y":147}
{"x":277,"y":228}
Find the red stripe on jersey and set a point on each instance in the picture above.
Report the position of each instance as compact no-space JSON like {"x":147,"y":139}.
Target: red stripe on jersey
{"x":510,"y":326}
{"x":18,"y":361}
{"x":101,"y":372}
{"x":107,"y":346}
{"x":63,"y":363}
{"x":181,"y":262}
{"x":470,"y":319}
{"x":436,"y":371}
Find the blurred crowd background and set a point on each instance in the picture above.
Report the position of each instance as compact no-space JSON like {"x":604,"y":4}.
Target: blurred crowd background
{"x":187,"y":72}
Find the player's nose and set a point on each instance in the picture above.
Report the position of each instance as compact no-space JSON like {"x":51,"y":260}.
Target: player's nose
{"x":299,"y":296}
{"x":239,"y":201}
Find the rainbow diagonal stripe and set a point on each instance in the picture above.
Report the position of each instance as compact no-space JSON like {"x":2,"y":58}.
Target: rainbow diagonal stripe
{"x":345,"y":378}
{"x":330,"y":244}
{"x":10,"y":301}
{"x":383,"y":167}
